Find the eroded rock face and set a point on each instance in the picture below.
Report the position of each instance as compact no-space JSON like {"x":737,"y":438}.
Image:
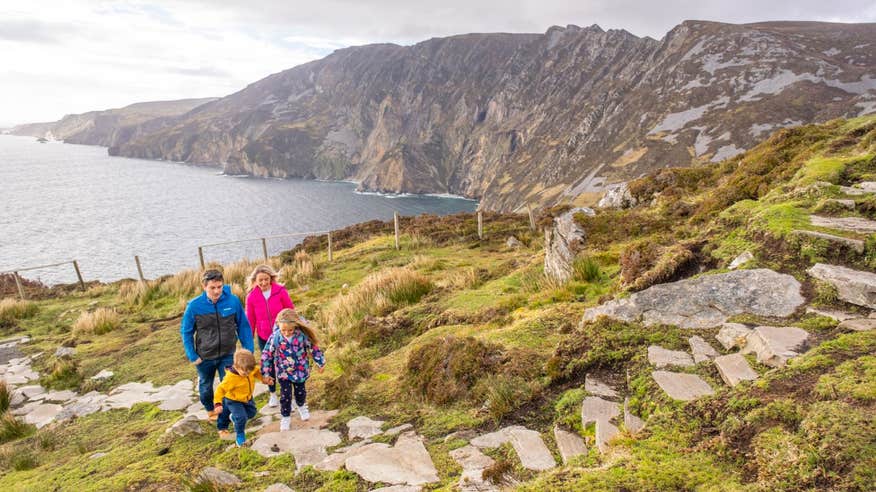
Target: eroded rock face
{"x":617,"y":196}
{"x":562,"y":243}
{"x":708,"y":300}
{"x":854,"y":286}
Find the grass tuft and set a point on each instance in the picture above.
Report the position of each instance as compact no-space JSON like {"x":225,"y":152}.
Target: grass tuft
{"x":12,"y":310}
{"x":97,"y":322}
{"x":11,"y":428}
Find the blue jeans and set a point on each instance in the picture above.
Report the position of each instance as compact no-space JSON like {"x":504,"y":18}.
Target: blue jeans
{"x":262,"y":342}
{"x":206,"y":372}
{"x":237,"y":412}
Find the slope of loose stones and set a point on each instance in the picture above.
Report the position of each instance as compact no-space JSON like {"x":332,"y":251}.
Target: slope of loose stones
{"x":734,"y":369}
{"x":682,"y":386}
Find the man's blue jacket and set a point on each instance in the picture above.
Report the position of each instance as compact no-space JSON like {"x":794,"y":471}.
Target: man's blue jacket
{"x":210,"y":331}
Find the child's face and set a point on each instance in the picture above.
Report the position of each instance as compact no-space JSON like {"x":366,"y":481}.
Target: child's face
{"x":287,"y":329}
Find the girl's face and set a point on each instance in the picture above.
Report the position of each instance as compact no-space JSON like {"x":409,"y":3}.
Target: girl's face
{"x":263,"y":280}
{"x":287,"y":329}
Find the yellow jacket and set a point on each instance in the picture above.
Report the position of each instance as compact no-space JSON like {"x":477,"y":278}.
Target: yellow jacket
{"x":236,"y":387}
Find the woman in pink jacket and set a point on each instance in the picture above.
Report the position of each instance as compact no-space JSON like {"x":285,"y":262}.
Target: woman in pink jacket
{"x":266,"y":299}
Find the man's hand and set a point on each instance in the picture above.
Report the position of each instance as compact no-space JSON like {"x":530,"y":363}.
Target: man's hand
{"x":197,"y":361}
{"x":217,"y":409}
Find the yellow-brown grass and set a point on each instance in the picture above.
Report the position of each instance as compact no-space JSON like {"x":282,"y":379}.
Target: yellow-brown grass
{"x":185,"y":284}
{"x":465,"y":278}
{"x":98,"y":322}
{"x":301,"y":271}
{"x":12,"y":310}
{"x":378,"y":294}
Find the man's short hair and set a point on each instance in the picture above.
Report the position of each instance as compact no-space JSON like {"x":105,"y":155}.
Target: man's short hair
{"x":211,"y":275}
{"x":245,"y":360}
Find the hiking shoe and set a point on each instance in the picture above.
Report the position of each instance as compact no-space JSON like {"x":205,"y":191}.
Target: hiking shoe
{"x":284,"y":423}
{"x":273,"y":402}
{"x":304,"y":412}
{"x":225,"y":435}
{"x":241,"y":440}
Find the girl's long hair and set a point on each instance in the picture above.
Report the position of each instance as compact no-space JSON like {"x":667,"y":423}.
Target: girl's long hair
{"x":290,"y":316}
{"x":261,"y":269}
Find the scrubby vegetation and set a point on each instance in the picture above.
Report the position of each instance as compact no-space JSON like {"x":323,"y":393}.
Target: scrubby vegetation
{"x":453,"y":333}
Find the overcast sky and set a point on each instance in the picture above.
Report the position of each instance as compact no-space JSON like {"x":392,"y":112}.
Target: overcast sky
{"x":70,"y":56}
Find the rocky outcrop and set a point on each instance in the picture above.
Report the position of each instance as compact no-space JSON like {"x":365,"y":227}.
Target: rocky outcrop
{"x":708,"y":300}
{"x":516,"y":119}
{"x":562,"y":243}
{"x":852,"y":286}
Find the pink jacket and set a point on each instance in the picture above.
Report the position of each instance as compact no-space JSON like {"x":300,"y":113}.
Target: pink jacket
{"x":261,"y":313}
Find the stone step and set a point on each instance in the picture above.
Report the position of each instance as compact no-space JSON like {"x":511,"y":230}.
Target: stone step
{"x":849,"y":190}
{"x":632,"y":423}
{"x":528,"y":445}
{"x":307,"y":446}
{"x":598,"y":388}
{"x":701,"y":349}
{"x":859,"y":225}
{"x":732,"y":335}
{"x":860,"y":324}
{"x":407,"y":462}
{"x":855,"y":245}
{"x":599,"y":411}
{"x":569,"y":444}
{"x":363,"y":427}
{"x":734,"y":369}
{"x":473,"y":463}
{"x":774,"y":345}
{"x":837,"y":315}
{"x":682,"y":386}
{"x":660,"y":357}
{"x":854,"y":286}
{"x":842,"y":202}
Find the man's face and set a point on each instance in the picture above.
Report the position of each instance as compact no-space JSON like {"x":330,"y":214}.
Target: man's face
{"x":213,"y":288}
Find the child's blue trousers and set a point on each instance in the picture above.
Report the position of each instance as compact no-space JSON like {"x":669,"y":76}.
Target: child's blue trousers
{"x":237,"y":412}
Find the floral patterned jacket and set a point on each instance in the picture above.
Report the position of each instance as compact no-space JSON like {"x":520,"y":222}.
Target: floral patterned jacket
{"x":285,"y":358}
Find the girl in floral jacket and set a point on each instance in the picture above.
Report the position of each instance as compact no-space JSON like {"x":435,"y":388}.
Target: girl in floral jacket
{"x":285,"y":359}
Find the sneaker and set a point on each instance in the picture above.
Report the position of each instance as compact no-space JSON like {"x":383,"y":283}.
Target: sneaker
{"x":240,"y":441}
{"x":273,"y":402}
{"x":225,"y":435}
{"x":304,"y":412}
{"x":284,"y":423}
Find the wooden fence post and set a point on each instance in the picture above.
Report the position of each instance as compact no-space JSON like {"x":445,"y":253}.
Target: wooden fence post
{"x":531,"y":218}
{"x":78,"y":274}
{"x":480,"y":224}
{"x":395,"y":217}
{"x":329,"y":234}
{"x":139,"y":268}
{"x":265,"y":248}
{"x":18,"y":284}
{"x":201,"y":255}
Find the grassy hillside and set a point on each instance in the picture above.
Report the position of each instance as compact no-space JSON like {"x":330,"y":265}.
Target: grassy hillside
{"x":453,"y":333}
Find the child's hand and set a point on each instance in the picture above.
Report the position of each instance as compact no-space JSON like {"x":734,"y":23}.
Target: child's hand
{"x":217,"y":409}
{"x":268,"y":380}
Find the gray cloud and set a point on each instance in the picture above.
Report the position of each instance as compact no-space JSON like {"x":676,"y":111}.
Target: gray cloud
{"x":31,"y":31}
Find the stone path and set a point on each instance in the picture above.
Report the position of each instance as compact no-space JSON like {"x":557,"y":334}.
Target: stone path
{"x":682,"y":386}
{"x":859,"y":225}
{"x":473,"y":463}
{"x":569,"y":444}
{"x":708,"y":300}
{"x":855,"y":245}
{"x":774,"y":345}
{"x":734,"y":369}
{"x":531,"y":450}
{"x":600,"y":412}
{"x":661,"y":357}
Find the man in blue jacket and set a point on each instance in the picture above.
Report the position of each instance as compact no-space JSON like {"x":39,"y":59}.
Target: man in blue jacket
{"x":211,"y":326}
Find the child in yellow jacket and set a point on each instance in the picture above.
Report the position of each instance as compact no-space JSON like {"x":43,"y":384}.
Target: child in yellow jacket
{"x":232,"y":399}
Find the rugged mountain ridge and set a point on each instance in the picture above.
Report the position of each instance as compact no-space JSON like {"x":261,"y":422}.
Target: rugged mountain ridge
{"x":517,"y":119}
{"x":111,"y":126}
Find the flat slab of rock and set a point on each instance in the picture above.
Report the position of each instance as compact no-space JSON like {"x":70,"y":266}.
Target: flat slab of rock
{"x":682,"y":386}
{"x":569,"y":444}
{"x":279,"y":487}
{"x":632,"y":423}
{"x":219,"y":478}
{"x":407,"y":462}
{"x":318,"y":419}
{"x":733,"y":335}
{"x":701,"y":349}
{"x":661,"y":357}
{"x":58,"y":396}
{"x":837,"y":315}
{"x":306,"y":445}
{"x":774,"y":345}
{"x":473,"y":463}
{"x":336,"y":460}
{"x":741,"y":260}
{"x":598,"y":388}
{"x":605,"y":432}
{"x":104,"y":374}
{"x":860,"y":324}
{"x":30,"y":392}
{"x":734,"y":369}
{"x":851,"y":224}
{"x":43,"y":414}
{"x":492,"y":439}
{"x":398,"y":429}
{"x":855,"y":245}
{"x":185,"y":426}
{"x":83,"y":405}
{"x":363,"y":427}
{"x":533,"y":453}
{"x":398,"y":488}
{"x":854,"y":286}
{"x":708,"y":300}
{"x":594,"y":409}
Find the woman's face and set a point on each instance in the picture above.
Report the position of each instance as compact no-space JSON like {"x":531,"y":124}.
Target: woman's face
{"x":263,"y":280}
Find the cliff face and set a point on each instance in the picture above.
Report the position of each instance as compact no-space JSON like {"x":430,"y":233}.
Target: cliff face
{"x":517,"y":119}
{"x":111,"y":126}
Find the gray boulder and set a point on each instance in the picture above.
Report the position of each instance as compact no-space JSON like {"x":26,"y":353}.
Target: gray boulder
{"x":862,"y":324}
{"x":708,"y":300}
{"x":562,"y":243}
{"x":219,"y":478}
{"x":854,"y":286}
{"x":617,"y":196}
